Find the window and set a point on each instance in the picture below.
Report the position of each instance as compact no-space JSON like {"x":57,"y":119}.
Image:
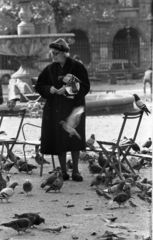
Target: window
{"x":126,"y":3}
{"x":117,"y":66}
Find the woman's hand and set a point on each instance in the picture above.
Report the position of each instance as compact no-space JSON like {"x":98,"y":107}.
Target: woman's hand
{"x":61,"y":91}
{"x":53,"y":90}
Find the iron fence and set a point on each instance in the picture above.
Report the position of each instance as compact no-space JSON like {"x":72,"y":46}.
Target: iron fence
{"x":101,"y":58}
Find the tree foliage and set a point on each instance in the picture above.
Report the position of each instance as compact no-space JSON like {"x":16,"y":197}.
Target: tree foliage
{"x":62,"y":10}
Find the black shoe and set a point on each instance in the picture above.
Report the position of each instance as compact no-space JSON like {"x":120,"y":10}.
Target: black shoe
{"x":65,"y":176}
{"x":77,"y":177}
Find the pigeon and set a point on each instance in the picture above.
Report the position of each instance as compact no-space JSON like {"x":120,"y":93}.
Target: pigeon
{"x":57,"y":184}
{"x":13,"y":157}
{"x":148,"y":199}
{"x":138,"y":165}
{"x":7,"y":166}
{"x":20,"y":225}
{"x":148,"y":143}
{"x":20,"y":162}
{"x":132,"y":204}
{"x":37,"y":220}
{"x":40,"y":159}
{"x":73,"y":121}
{"x":49,"y":181}
{"x":143,"y":186}
{"x":116,"y":188}
{"x":90,"y":142}
{"x":69,"y":164}
{"x":134,"y":146}
{"x":27,"y":167}
{"x":94,"y":168}
{"x":97,"y":180}
{"x":122,"y":197}
{"x":106,"y":196}
{"x":27,"y":186}
{"x":7,"y":192}
{"x":149,"y":192}
{"x":102,"y":160}
{"x":140,"y":104}
{"x":3,"y":182}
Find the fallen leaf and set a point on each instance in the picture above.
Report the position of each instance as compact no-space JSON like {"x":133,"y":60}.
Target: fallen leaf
{"x":88,"y":208}
{"x":70,"y":205}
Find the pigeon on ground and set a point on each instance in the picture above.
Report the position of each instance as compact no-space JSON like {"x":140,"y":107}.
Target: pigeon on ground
{"x":27,"y":186}
{"x":40,"y":159}
{"x":90,"y":142}
{"x":135,"y":146}
{"x":140,"y":104}
{"x":149,"y":192}
{"x":137,"y":166}
{"x":3,"y":182}
{"x":143,"y":186}
{"x":13,"y":157}
{"x":20,"y":162}
{"x":49,"y":181}
{"x":148,"y":143}
{"x":27,"y":167}
{"x":57,"y":184}
{"x":7,"y":166}
{"x":115,"y":189}
{"x":148,"y":199}
{"x":132,"y":204}
{"x":94,"y":168}
{"x":121,"y":198}
{"x":20,"y":225}
{"x":102,"y":160}
{"x":73,"y":121}
{"x":98,"y":179}
{"x":8,"y":192}
{"x":69,"y":164}
{"x":106,"y":196}
{"x":37,"y":220}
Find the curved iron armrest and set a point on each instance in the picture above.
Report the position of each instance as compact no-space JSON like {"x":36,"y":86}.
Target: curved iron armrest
{"x":30,"y":124}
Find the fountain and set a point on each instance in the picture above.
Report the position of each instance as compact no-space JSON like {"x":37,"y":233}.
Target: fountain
{"x":26,"y":45}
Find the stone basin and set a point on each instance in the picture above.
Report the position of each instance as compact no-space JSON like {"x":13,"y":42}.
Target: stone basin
{"x":106,"y":104}
{"x":96,"y":104}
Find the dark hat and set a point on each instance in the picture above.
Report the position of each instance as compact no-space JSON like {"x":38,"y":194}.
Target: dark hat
{"x":60,"y":44}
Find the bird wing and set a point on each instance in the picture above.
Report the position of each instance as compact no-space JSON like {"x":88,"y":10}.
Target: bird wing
{"x":74,"y":118}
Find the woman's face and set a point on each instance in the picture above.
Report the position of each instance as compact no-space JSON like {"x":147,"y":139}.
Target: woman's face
{"x":58,"y":56}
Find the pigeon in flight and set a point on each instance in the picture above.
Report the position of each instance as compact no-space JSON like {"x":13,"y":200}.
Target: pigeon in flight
{"x":140,"y":104}
{"x":73,"y":121}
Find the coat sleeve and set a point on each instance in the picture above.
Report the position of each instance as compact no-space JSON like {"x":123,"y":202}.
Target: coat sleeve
{"x":82,"y":74}
{"x":43,"y":84}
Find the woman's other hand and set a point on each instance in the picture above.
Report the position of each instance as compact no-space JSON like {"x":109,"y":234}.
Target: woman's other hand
{"x":53,"y":90}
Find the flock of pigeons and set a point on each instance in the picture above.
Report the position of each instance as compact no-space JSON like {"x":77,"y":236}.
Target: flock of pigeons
{"x":115,"y":190}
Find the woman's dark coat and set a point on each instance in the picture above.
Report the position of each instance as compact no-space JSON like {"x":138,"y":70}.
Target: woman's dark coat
{"x":54,"y":139}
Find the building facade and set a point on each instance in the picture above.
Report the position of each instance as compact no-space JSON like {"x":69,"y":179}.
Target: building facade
{"x":128,"y":37}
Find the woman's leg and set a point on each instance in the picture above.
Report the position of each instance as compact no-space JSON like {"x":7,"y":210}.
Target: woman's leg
{"x":75,"y":159}
{"x":62,"y":161}
{"x":76,"y":175}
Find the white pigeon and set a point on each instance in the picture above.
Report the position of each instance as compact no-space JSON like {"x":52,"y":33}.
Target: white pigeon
{"x":73,"y":121}
{"x":7,"y":192}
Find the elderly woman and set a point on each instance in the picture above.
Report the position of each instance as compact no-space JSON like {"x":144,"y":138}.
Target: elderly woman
{"x":64,"y":84}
